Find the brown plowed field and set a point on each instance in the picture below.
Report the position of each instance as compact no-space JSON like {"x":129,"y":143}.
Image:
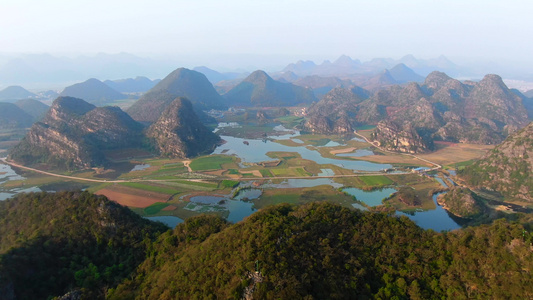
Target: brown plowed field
{"x":132,"y":197}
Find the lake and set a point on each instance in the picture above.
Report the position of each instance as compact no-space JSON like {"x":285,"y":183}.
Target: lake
{"x":254,"y":151}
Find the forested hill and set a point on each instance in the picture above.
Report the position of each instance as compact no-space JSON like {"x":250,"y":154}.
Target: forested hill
{"x":81,"y":244}
{"x":51,"y":244}
{"x":323,"y":251}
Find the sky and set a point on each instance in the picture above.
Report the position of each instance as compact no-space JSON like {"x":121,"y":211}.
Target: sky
{"x":274,"y":30}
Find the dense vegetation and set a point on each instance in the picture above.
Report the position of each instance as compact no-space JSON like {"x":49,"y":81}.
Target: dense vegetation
{"x":51,"y":244}
{"x":324,"y":251}
{"x":55,"y":243}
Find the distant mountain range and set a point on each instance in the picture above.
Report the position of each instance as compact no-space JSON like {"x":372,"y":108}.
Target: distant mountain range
{"x":93,"y":91}
{"x":214,"y":76}
{"x":138,"y":84}
{"x":43,"y":70}
{"x":180,"y":83}
{"x":259,"y":89}
{"x":345,"y":66}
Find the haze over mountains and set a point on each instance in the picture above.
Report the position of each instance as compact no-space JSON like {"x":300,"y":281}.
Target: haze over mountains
{"x":93,"y":91}
{"x":138,"y":84}
{"x":45,"y":71}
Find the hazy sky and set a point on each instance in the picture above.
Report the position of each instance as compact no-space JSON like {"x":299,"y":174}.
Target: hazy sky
{"x":307,"y":29}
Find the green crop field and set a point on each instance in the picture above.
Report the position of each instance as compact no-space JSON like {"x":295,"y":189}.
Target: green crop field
{"x":229,"y":183}
{"x":151,"y":188}
{"x":376,"y":180}
{"x":213,"y":162}
{"x":155,"y":208}
{"x":265,"y":173}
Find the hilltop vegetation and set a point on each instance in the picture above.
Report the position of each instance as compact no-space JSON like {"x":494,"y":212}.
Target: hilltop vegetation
{"x":51,"y":244}
{"x":325,"y":251}
{"x":80,"y":243}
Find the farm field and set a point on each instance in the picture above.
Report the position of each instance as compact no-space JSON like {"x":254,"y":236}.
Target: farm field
{"x":154,"y":186}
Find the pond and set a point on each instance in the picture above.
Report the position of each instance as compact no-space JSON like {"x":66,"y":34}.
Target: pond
{"x":254,"y":151}
{"x":170,"y":221}
{"x":238,"y":210}
{"x":437,"y":219}
{"x":140,"y":167}
{"x":7,"y":174}
{"x":370,"y":198}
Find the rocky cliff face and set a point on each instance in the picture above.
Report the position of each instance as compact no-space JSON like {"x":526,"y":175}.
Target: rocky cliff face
{"x":441,"y":109}
{"x":400,"y":137}
{"x":74,"y":133}
{"x":335,"y":113}
{"x":179,"y":133}
{"x":507,"y":168}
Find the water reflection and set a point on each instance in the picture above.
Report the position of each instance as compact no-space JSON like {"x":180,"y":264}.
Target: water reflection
{"x":437,"y":219}
{"x":370,"y":198}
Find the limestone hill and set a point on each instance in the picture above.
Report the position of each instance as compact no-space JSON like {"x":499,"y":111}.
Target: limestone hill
{"x":440,"y":109}
{"x":260,"y":90}
{"x":11,"y":117}
{"x":74,"y":134}
{"x":180,"y":83}
{"x":13,"y":93}
{"x":507,"y":168}
{"x":93,"y":91}
{"x":179,"y":133}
